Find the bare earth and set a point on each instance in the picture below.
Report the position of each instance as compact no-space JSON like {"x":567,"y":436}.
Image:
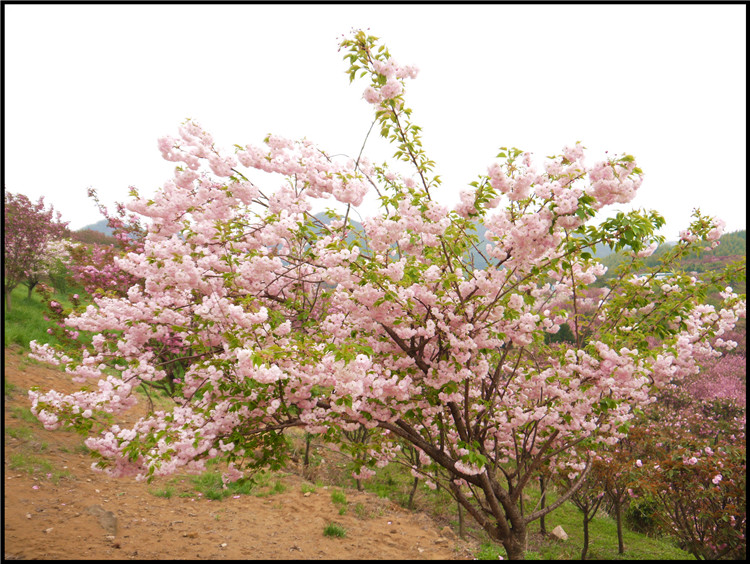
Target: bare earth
{"x":87,"y":515}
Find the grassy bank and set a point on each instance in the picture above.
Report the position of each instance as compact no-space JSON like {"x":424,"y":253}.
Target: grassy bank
{"x":25,"y":321}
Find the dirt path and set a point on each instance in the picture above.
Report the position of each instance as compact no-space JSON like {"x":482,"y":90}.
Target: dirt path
{"x":69,"y":511}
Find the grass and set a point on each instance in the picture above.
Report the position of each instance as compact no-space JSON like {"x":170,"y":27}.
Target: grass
{"x":209,"y":485}
{"x":338,"y":497}
{"x":21,"y":433}
{"x":36,"y":465}
{"x":9,"y":389}
{"x":25,"y":321}
{"x":603,"y":543}
{"x":361,"y":512}
{"x":395,"y":483}
{"x":309,"y":488}
{"x":334,"y":530}
{"x":24,"y":414}
{"x":166,"y":493}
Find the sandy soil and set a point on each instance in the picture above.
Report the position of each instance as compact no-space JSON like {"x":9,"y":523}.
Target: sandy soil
{"x":87,"y":515}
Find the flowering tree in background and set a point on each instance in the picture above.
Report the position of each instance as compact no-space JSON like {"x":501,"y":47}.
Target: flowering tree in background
{"x":282,"y":320}
{"x":52,"y":265}
{"x":29,"y":229}
{"x":94,"y":266}
{"x":612,"y":469}
{"x":587,"y":498}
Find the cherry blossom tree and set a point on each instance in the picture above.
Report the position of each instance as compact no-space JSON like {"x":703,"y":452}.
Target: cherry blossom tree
{"x":52,"y":265}
{"x":283,"y":320}
{"x":28,"y":230}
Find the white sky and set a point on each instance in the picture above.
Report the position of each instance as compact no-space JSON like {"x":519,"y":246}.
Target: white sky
{"x":90,"y":89}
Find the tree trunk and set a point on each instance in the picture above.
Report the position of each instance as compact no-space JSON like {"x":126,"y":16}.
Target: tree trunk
{"x":618,"y":518}
{"x":308,"y":438}
{"x":460,"y":521}
{"x":516,"y":544}
{"x":585,"y":535}
{"x":7,"y":300}
{"x":543,"y":489}
{"x":413,"y":491}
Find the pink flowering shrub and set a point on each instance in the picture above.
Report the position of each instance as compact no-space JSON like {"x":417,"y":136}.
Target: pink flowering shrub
{"x":281,"y":320}
{"x":692,"y":447}
{"x":701,"y":497}
{"x":722,"y":386}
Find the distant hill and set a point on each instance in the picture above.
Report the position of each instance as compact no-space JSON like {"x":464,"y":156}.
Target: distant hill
{"x":732,"y":247}
{"x":100,"y":226}
{"x":732,"y":244}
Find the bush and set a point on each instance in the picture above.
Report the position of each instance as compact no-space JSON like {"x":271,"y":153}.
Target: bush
{"x":641,"y":515}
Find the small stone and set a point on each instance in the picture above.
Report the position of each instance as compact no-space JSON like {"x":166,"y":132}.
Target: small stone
{"x":106,"y":519}
{"x":223,"y":545}
{"x":447,"y":532}
{"x":28,"y":515}
{"x":49,"y":530}
{"x":559,"y":533}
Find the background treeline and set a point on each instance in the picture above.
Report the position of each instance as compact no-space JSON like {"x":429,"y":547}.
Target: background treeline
{"x":732,"y":248}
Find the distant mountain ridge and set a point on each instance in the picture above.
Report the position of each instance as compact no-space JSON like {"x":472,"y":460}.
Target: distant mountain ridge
{"x":733,"y":243}
{"x":100,"y":226}
{"x":600,"y":251}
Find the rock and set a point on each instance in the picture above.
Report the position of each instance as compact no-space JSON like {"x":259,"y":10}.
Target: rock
{"x":106,"y":519}
{"x":448,"y":533}
{"x":559,"y":533}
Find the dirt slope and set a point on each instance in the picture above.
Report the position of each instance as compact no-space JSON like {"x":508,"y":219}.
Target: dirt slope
{"x":86,"y":515}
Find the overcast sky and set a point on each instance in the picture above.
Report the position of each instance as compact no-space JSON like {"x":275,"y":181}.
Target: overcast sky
{"x":90,"y":89}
